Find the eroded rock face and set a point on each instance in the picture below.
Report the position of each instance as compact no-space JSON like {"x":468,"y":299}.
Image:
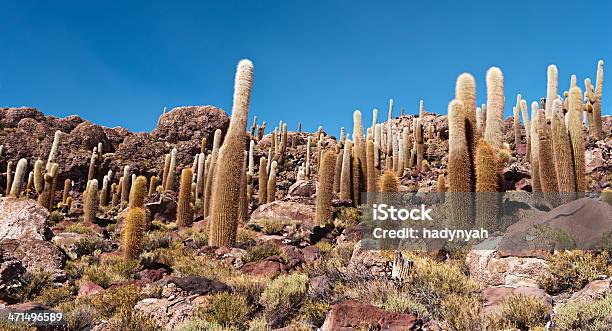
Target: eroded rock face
{"x":285,"y":211}
{"x":74,"y":245}
{"x":190,"y":123}
{"x":35,"y":255}
{"x":349,"y":315}
{"x":166,"y":312}
{"x":494,"y":296}
{"x":23,"y":219}
{"x":9,"y":117}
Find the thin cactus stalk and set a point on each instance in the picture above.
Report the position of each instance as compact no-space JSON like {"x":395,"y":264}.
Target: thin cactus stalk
{"x":597,"y":105}
{"x":211,"y":171}
{"x":171,"y":171}
{"x":91,"y":174}
{"x":535,"y":143}
{"x":153,"y":185}
{"x":103,"y":192}
{"x":166,"y":169}
{"x":516,"y":111}
{"x":345,"y":175}
{"x":9,"y":177}
{"x":421,"y":109}
{"x":374,"y":119}
{"x":200,"y":175}
{"x":223,"y":211}
{"x":495,"y":108}
{"x":525,"y":115}
{"x":552,"y":89}
{"x":243,"y":201}
{"x":184,"y":212}
{"x":342,"y":129}
{"x":54,"y":149}
{"x":325,"y":190}
{"x":371,"y":170}
{"x":90,"y":205}
{"x":441,"y":188}
{"x":263,"y":181}
{"x":548,"y":174}
{"x":67,"y":188}
{"x":308,"y":147}
{"x":20,"y":172}
{"x":356,"y":179}
{"x":30,"y":183}
{"x":39,"y":176}
{"x":338,"y":169}
{"x":125,"y":186}
{"x":271,"y":191}
{"x":419,"y":142}
{"x":115,"y":195}
{"x":576,"y":137}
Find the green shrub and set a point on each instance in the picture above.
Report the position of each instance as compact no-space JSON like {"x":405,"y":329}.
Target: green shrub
{"x":272,"y":227}
{"x":204,"y":266}
{"x":156,"y":239}
{"x":246,"y":237}
{"x":283,"y":296}
{"x":53,"y":296}
{"x":313,"y":312}
{"x":35,"y":282}
{"x":259,"y":324}
{"x":225,"y":309}
{"x":572,"y":270}
{"x":55,"y":217}
{"x":111,"y":270}
{"x":524,"y":312}
{"x":461,"y":314}
{"x":346,"y":217}
{"x":201,"y":325}
{"x":260,"y":252}
{"x":79,"y":228}
{"x":587,"y":315}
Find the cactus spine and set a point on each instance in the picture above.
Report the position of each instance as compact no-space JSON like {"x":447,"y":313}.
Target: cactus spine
{"x":548,"y":175}
{"x":224,"y":212}
{"x":67,"y":188}
{"x":184,"y":216}
{"x":132,"y":232}
{"x":516,"y":111}
{"x":39,"y":179}
{"x":575,"y":133}
{"x":54,"y":148}
{"x":20,"y":172}
{"x":459,"y":165}
{"x":525,"y":116}
{"x":371,"y":170}
{"x":487,"y":178}
{"x":325,"y":191}
{"x":535,"y":143}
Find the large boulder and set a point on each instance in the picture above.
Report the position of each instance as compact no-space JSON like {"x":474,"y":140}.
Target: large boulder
{"x":35,"y":255}
{"x":190,"y":123}
{"x":351,"y":315}
{"x":9,"y":117}
{"x":166,"y":312}
{"x":141,"y":152}
{"x":75,"y":245}
{"x":23,"y":219}
{"x":285,"y":212}
{"x":495,"y":296}
{"x":581,"y":223}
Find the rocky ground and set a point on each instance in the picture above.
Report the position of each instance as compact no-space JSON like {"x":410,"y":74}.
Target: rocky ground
{"x":285,"y":271}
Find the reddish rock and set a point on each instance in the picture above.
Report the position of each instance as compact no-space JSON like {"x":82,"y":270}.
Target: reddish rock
{"x":270,"y":267}
{"x":310,"y":253}
{"x":303,"y":188}
{"x":35,"y":255}
{"x":197,"y":285}
{"x":285,"y":211}
{"x":190,"y":123}
{"x":593,"y":290}
{"x":9,"y":117}
{"x":87,"y":288}
{"x":23,"y":219}
{"x":494,"y":296}
{"x":351,"y":315}
{"x":152,"y":275}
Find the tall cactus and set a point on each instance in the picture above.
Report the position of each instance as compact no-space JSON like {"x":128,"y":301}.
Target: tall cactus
{"x":535,"y":143}
{"x":516,"y":111}
{"x":563,"y":156}
{"x":371,"y":170}
{"x":224,"y":212}
{"x":597,"y":104}
{"x":325,"y":190}
{"x":153,"y":185}
{"x":103,"y":192}
{"x":465,"y":92}
{"x":125,"y":186}
{"x":184,"y":213}
{"x":200,"y":175}
{"x":54,"y":149}
{"x":576,"y":137}
{"x":39,"y":179}
{"x":548,"y":175}
{"x":345,"y":177}
{"x":552,"y":89}
{"x":90,"y":205}
{"x":487,"y":180}
{"x":171,"y":172}
{"x":338,"y":169}
{"x":20,"y":172}
{"x":272,"y":183}
{"x":166,"y":169}
{"x":495,"y":108}
{"x":211,"y":171}
{"x":525,"y":116}
{"x":263,"y":181}
{"x":460,"y":177}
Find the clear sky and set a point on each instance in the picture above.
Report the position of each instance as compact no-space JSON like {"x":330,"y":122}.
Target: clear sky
{"x":120,"y":62}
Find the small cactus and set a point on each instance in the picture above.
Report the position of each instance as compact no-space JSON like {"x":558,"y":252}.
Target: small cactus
{"x":153,"y":185}
{"x":125,"y":186}
{"x":20,"y":172}
{"x":9,"y":177}
{"x":211,"y":171}
{"x":552,"y":89}
{"x":67,"y":188}
{"x":345,"y":176}
{"x":39,"y":176}
{"x":371,"y":170}
{"x":171,"y":172}
{"x":132,"y":233}
{"x":388,"y":182}
{"x":263,"y":181}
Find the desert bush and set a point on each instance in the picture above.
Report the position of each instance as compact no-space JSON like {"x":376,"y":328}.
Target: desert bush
{"x":587,"y":315}
{"x":79,"y":228}
{"x":111,"y":269}
{"x":246,"y":237}
{"x":346,"y":217}
{"x":35,"y":282}
{"x":272,"y":227}
{"x":52,"y":296}
{"x":524,"y":312}
{"x":55,"y":217}
{"x":260,"y":252}
{"x":313,"y":312}
{"x":259,"y":324}
{"x":204,"y":266}
{"x":164,"y":255}
{"x":283,"y":296}
{"x":572,"y":270}
{"x":249,"y":286}
{"x":201,"y":325}
{"x":6,"y":325}
{"x":74,"y":268}
{"x":461,"y":314}
{"x":161,"y":226}
{"x":156,"y":239}
{"x":225,"y":309}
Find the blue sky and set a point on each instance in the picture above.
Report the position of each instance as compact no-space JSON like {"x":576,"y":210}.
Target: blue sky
{"x":119,"y":63}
